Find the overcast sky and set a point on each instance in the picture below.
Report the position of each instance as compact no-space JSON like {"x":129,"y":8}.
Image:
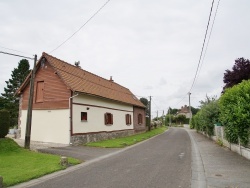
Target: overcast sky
{"x":150,"y":47}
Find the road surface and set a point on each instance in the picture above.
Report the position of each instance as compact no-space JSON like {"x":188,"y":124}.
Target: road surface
{"x":161,"y":162}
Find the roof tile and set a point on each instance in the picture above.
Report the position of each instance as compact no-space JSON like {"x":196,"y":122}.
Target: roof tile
{"x":80,"y":80}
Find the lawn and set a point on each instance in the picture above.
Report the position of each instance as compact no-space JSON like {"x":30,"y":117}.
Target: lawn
{"x":19,"y":165}
{"x":127,"y":141}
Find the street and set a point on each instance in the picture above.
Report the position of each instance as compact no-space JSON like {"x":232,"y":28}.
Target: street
{"x":163,"y":161}
{"x":177,"y":158}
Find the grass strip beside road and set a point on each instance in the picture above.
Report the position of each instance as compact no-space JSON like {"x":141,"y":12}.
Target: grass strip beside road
{"x":127,"y":141}
{"x":19,"y":165}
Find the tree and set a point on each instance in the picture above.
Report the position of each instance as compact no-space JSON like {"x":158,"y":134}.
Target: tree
{"x":145,"y":102}
{"x":234,"y":112}
{"x":207,"y":116}
{"x":194,"y":110}
{"x":173,"y":111}
{"x":180,"y":119}
{"x":11,"y":101}
{"x":239,"y":72}
{"x":1,"y":103}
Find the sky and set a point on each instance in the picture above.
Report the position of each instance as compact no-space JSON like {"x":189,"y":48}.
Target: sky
{"x":151,"y":47}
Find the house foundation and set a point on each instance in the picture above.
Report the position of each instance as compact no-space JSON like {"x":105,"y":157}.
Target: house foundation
{"x":78,"y":139}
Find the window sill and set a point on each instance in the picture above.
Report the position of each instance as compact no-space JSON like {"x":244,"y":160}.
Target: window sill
{"x":84,"y":121}
{"x":108,"y":124}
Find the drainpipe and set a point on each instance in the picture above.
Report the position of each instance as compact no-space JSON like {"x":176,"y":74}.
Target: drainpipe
{"x":70,"y":117}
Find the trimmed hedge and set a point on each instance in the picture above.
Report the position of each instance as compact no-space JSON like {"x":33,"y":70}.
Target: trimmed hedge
{"x":235,"y":112}
{"x":4,"y":123}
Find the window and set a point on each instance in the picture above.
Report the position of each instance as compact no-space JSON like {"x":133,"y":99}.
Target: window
{"x":39,"y":91}
{"x":139,"y":118}
{"x":108,"y":119}
{"x":128,"y":119}
{"x":84,"y":116}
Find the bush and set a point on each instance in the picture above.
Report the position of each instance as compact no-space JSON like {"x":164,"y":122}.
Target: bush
{"x":207,"y":116}
{"x":4,"y":123}
{"x":180,"y":119}
{"x":192,"y":123}
{"x":235,"y":112}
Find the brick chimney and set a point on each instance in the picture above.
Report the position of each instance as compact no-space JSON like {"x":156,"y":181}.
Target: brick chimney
{"x":111,"y":79}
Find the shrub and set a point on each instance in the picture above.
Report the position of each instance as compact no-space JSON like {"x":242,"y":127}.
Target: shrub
{"x":235,"y":112}
{"x":4,"y":123}
{"x":207,"y":116}
{"x":180,"y":119}
{"x":192,"y":123}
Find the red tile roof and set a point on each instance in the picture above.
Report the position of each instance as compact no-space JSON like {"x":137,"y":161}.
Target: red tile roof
{"x":79,"y":80}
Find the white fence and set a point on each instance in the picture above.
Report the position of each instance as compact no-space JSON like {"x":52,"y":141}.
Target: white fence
{"x":219,"y":135}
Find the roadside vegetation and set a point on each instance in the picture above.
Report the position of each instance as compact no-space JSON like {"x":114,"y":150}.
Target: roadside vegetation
{"x":232,"y":109}
{"x":19,"y":165}
{"x":127,"y":141}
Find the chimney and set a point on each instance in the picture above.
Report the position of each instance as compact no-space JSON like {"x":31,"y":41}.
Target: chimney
{"x":77,"y":64}
{"x":111,"y":79}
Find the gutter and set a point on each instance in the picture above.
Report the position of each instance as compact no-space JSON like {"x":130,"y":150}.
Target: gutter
{"x":70,"y":117}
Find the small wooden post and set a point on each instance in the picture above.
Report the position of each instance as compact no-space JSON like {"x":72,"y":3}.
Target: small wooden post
{"x":64,"y":161}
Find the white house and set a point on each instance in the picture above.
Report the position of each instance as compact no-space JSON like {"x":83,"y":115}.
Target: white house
{"x":71,"y":105}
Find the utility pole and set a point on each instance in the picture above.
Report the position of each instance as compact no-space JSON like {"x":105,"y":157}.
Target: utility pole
{"x":190,"y":116}
{"x":157,"y":114}
{"x":163,"y":123}
{"x":149,"y":127}
{"x":29,"y":113}
{"x":169,"y":117}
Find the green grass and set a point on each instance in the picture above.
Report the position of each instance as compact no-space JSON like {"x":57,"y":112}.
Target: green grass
{"x":19,"y":165}
{"x":127,"y":141}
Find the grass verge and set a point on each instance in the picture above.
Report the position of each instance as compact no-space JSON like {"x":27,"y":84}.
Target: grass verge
{"x":127,"y":141}
{"x":19,"y":165}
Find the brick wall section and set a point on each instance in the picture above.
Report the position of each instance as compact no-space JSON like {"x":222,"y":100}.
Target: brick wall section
{"x":56,"y":94}
{"x":139,"y":127}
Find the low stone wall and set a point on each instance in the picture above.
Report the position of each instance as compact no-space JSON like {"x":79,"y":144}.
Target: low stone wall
{"x":93,"y":137}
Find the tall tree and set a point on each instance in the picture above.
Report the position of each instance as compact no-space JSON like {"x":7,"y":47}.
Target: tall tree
{"x":1,"y":103}
{"x":194,"y":110}
{"x":145,"y":102}
{"x":239,"y":72}
{"x":173,"y":111}
{"x":11,"y":101}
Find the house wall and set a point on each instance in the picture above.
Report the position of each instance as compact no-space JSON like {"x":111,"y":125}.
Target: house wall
{"x":97,"y":107}
{"x":139,"y":127}
{"x":55,"y":92}
{"x":48,"y":125}
{"x":50,"y":117}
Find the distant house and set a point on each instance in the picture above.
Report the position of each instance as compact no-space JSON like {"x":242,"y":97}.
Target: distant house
{"x":72,"y":105}
{"x":185,"y":111}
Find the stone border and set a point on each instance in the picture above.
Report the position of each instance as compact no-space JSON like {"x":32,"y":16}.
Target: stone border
{"x":93,"y":137}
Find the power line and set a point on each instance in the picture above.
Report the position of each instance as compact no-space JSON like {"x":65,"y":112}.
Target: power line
{"x":16,"y":55}
{"x":202,"y":46}
{"x":209,"y":38}
{"x":15,"y":50}
{"x":82,"y":25}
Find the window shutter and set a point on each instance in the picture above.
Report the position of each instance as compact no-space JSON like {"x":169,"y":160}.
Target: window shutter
{"x":105,"y":118}
{"x":111,"y":119}
{"x":39,"y":91}
{"x":130,"y":120}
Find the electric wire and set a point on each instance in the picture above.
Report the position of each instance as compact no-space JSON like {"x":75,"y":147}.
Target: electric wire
{"x":208,"y":40}
{"x":14,"y":50}
{"x":82,"y":26}
{"x":16,"y":55}
{"x":202,"y":46}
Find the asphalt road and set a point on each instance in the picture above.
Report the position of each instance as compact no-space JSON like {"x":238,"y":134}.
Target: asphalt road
{"x":163,"y":161}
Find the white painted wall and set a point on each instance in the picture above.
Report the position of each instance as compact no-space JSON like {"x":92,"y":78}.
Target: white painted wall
{"x":95,"y":122}
{"x":47,"y":125}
